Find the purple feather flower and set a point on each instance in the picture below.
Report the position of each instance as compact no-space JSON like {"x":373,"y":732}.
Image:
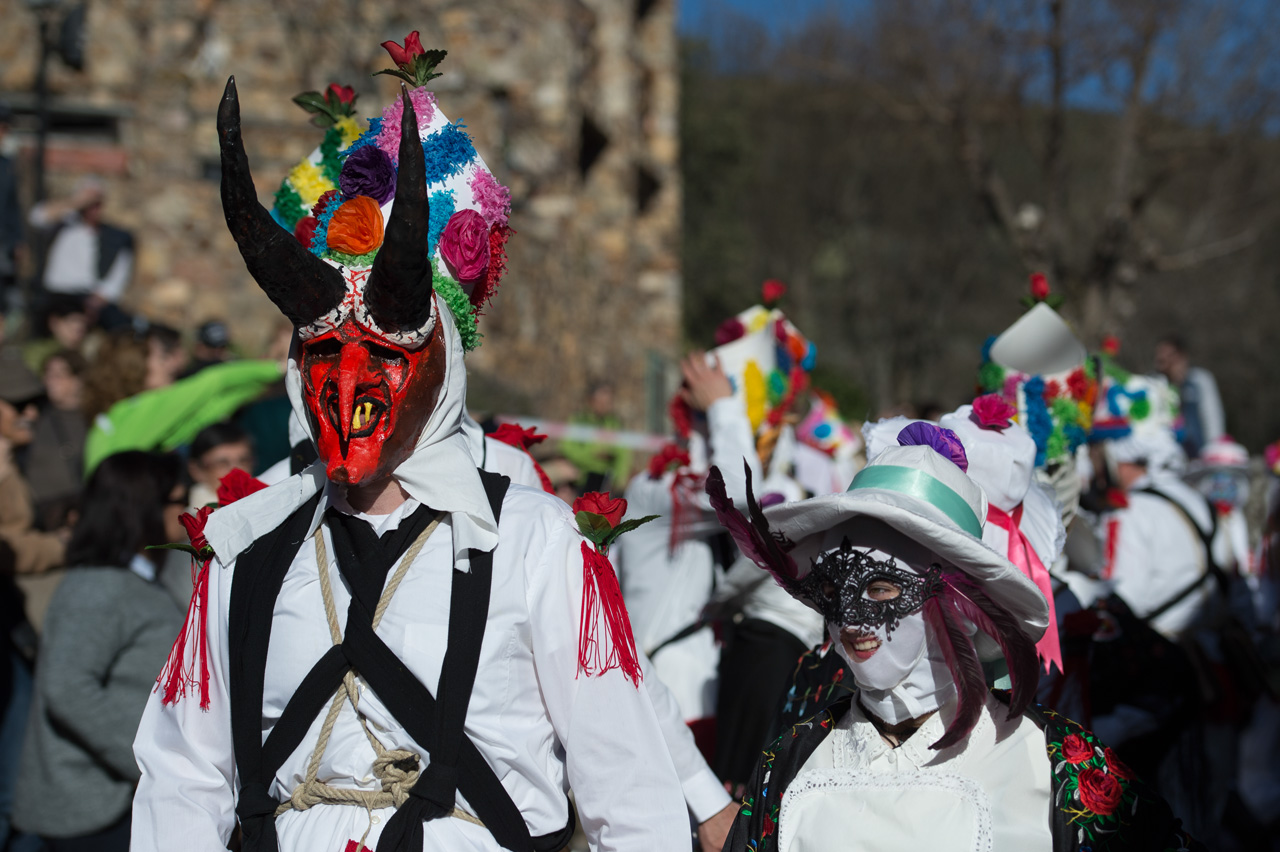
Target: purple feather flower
{"x":368,"y":171}
{"x":944,"y":441}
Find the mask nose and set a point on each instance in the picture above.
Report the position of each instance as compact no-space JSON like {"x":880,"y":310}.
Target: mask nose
{"x":353,"y":363}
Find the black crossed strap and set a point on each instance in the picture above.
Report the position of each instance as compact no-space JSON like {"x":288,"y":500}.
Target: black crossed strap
{"x":456,"y":765}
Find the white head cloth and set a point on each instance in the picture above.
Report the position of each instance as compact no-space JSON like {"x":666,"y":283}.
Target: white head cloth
{"x":441,"y":472}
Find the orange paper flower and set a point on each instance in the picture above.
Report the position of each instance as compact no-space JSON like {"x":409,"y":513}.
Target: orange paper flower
{"x":356,"y":226}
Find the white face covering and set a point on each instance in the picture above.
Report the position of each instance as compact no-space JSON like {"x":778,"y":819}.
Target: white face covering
{"x":907,"y":676}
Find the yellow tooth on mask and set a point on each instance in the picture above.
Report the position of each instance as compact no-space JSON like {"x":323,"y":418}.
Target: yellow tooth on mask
{"x":365,"y":413}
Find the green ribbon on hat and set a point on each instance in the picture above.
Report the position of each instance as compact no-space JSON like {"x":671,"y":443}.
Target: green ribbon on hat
{"x":918,"y":484}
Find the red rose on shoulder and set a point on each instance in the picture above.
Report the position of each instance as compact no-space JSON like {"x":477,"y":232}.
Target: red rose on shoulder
{"x":610,"y":508}
{"x":1076,"y":749}
{"x":1116,"y":766}
{"x":1099,"y":792}
{"x":236,"y":485}
{"x":517,"y":436}
{"x":194,"y":525}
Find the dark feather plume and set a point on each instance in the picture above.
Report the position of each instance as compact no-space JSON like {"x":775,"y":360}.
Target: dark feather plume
{"x":998,"y":623}
{"x":753,"y":537}
{"x":962,"y":660}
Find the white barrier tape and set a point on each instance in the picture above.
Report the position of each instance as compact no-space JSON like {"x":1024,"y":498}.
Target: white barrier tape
{"x":643,"y":441}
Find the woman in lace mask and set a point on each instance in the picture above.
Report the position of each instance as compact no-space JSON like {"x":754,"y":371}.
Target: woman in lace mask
{"x":922,"y":755}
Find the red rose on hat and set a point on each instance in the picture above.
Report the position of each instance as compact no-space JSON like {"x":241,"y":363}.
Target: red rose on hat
{"x":772,"y":292}
{"x":1116,"y":766}
{"x":1039,"y":287}
{"x":1111,"y":345}
{"x":1078,"y":384}
{"x":1076,"y":749}
{"x":610,"y":508}
{"x":342,"y":94}
{"x":1099,"y":792}
{"x":464,"y":245}
{"x":236,"y":485}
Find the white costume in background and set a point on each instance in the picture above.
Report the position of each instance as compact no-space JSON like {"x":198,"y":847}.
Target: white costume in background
{"x":666,"y":591}
{"x":856,"y":793}
{"x":1153,"y":552}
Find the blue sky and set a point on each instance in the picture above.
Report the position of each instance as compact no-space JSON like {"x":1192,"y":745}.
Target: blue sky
{"x":776,"y":15}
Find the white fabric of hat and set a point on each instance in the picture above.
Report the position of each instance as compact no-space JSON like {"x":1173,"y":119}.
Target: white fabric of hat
{"x":1000,"y":460}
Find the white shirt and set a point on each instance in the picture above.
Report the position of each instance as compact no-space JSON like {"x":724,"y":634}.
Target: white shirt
{"x":989,"y":793}
{"x":541,"y":725}
{"x":72,"y":263}
{"x":1153,"y":552}
{"x":666,"y":591}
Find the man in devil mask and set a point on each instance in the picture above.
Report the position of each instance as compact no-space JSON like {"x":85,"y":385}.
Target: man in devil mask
{"x":392,"y":649}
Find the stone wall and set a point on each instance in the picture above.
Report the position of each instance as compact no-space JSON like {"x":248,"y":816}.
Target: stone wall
{"x":573,"y":104}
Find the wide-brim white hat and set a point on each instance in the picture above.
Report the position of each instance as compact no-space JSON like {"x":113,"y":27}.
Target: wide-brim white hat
{"x":927,"y":498}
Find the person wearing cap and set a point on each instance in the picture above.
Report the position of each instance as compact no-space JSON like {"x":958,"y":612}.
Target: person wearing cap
{"x":86,"y":256}
{"x":212,"y":346}
{"x":922,"y":755}
{"x":393,"y":649}
{"x":35,"y":551}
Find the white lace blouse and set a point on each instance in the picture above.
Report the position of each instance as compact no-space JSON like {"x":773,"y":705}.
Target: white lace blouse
{"x":989,"y":793}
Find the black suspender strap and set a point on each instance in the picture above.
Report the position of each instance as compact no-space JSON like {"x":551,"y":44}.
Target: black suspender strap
{"x":436,"y":722}
{"x":1212,"y":570}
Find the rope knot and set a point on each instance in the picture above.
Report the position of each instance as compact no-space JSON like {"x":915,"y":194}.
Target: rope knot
{"x":397,"y":770}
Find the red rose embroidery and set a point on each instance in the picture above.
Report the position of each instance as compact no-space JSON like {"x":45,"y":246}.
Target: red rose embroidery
{"x":1076,"y":750}
{"x":610,"y":508}
{"x":1039,"y":287}
{"x":992,"y":411}
{"x":1099,"y":792}
{"x":1116,"y":766}
{"x":464,"y":245}
{"x":194,"y":525}
{"x":236,"y":485}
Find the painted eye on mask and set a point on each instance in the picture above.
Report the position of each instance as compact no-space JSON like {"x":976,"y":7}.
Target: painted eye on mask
{"x":852,"y":589}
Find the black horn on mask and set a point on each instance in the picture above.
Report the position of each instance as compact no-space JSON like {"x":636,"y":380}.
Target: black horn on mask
{"x":398,"y":294}
{"x":300,"y":284}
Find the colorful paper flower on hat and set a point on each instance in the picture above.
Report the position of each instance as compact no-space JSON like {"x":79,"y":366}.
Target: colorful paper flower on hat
{"x":464,"y":245}
{"x":992,"y":411}
{"x":1272,"y":455}
{"x":944,"y":442}
{"x":356,"y":227}
{"x":468,"y":227}
{"x":771,"y":292}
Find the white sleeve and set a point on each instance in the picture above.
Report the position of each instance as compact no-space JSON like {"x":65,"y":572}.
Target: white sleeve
{"x":186,"y":797}
{"x":731,"y":443}
{"x":117,"y":278}
{"x":625,"y":785}
{"x":704,"y":795}
{"x":1212,"y":418}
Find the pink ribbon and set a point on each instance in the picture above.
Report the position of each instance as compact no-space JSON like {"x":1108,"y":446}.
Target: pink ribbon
{"x":1022,"y":554}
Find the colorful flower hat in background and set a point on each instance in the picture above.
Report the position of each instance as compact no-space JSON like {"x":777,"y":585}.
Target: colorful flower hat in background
{"x":768,"y":362}
{"x":1042,"y":369}
{"x":826,"y":456}
{"x":1137,"y":417}
{"x":337,"y":200}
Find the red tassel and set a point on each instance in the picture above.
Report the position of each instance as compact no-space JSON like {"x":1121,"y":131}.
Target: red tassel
{"x":602,"y":599}
{"x":179,"y":673}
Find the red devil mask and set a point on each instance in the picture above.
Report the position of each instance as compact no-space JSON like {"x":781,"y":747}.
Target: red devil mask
{"x":372,"y":354}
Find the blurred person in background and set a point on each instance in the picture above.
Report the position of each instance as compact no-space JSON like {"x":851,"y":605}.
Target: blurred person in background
{"x":10,"y":216}
{"x":106,"y":635}
{"x":20,"y":396}
{"x":17,"y":653}
{"x":63,"y":324}
{"x":166,"y":357}
{"x":603,"y":465}
{"x":54,"y":459}
{"x":212,"y":346}
{"x":86,"y":256}
{"x":117,"y":371}
{"x":1203,"y":421}
{"x":216,"y":451}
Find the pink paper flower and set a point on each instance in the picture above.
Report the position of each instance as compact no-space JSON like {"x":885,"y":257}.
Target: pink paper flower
{"x":464,"y":245}
{"x":992,"y":411}
{"x":424,"y":107}
{"x":493,"y":198}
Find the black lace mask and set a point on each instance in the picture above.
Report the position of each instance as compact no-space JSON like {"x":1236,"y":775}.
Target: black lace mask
{"x":838,"y":582}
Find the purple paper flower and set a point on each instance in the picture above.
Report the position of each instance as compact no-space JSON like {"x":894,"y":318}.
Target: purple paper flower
{"x":368,"y":171}
{"x":945,"y":442}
